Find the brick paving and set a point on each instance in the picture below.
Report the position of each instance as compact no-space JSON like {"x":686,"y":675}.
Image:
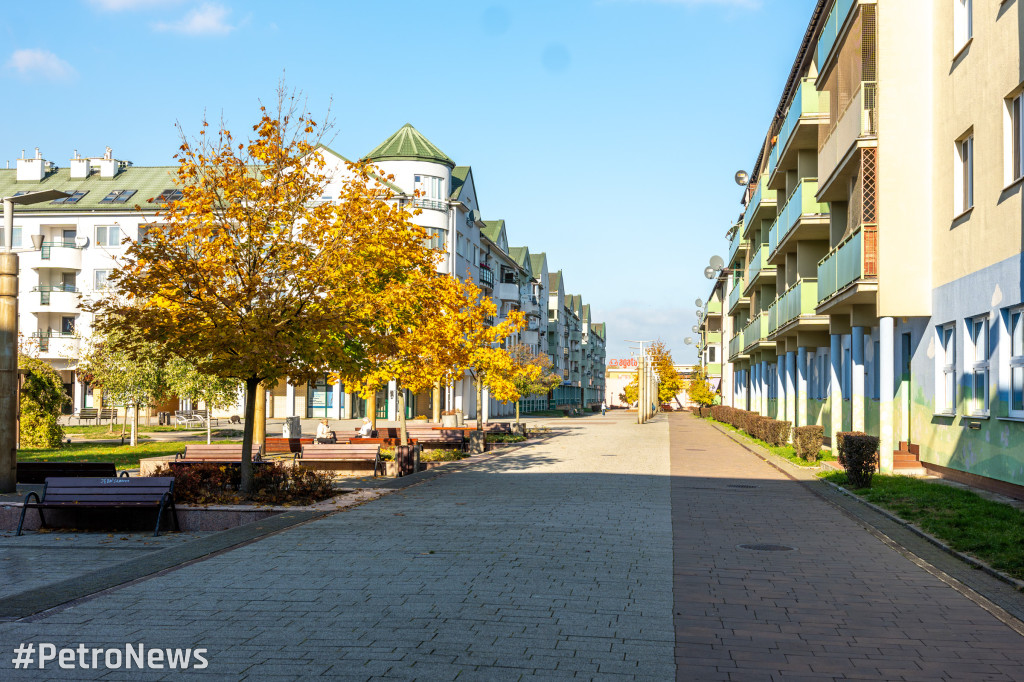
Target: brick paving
{"x":575,"y":557}
{"x":841,"y":605}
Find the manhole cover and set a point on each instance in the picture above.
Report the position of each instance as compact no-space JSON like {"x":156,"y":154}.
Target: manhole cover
{"x":741,"y":485}
{"x":768,"y":548}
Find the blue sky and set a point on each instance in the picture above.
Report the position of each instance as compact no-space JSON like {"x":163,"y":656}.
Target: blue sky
{"x":605,"y":132}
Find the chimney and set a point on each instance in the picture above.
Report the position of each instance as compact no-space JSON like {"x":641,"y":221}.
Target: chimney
{"x":31,"y":169}
{"x":109,"y":166}
{"x":80,"y":168}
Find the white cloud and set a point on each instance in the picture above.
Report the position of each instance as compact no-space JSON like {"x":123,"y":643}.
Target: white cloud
{"x":119,"y":5}
{"x":34,"y":62}
{"x":206,"y":20}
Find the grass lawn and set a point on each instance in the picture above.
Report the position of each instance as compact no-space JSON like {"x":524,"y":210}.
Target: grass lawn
{"x":102,"y":431}
{"x":124,"y":456}
{"x":784,"y":451}
{"x":967,"y":522}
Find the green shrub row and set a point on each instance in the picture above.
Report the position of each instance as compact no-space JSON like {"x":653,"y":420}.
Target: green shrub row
{"x":771,"y":431}
{"x":858,"y":454}
{"x":807,"y":441}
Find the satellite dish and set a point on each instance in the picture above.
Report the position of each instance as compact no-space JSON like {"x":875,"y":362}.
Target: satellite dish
{"x":688,"y":341}
{"x":699,"y":303}
{"x":700,"y":314}
{"x":694,"y":329}
{"x":709,"y":272}
{"x":716,"y":262}
{"x":741,"y":178}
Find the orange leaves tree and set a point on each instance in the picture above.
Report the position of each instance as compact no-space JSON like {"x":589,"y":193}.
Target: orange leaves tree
{"x":251,"y":276}
{"x":532,"y":373}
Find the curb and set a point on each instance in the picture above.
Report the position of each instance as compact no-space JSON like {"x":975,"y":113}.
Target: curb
{"x":775,"y":462}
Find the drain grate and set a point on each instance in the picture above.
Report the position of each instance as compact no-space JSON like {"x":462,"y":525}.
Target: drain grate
{"x":767,"y":548}
{"x":742,"y":485}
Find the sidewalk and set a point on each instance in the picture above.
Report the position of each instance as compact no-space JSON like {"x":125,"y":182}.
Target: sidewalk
{"x":771,"y":581}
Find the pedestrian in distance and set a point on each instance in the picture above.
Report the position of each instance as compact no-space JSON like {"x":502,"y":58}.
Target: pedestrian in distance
{"x":604,"y":407}
{"x":324,"y":434}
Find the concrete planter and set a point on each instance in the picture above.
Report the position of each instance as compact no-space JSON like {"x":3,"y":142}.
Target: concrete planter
{"x":190,"y":518}
{"x":477,"y":442}
{"x":450,"y":420}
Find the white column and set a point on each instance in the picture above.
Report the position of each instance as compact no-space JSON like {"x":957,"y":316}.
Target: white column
{"x":486,"y":407}
{"x":346,"y":410}
{"x":801,"y":388}
{"x":857,"y":378}
{"x":77,"y":395}
{"x":336,"y":409}
{"x":780,"y":387}
{"x":755,"y":387}
{"x":886,"y":393}
{"x":289,"y":400}
{"x":790,"y":413}
{"x":835,"y":389}
{"x":392,"y":400}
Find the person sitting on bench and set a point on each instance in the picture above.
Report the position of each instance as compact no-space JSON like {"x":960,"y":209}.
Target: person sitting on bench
{"x":365,"y":431}
{"x":324,"y":433}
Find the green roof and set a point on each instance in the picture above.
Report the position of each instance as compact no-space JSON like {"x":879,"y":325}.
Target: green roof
{"x":519,"y":254}
{"x":492,"y":229}
{"x":586,"y":313}
{"x":408,"y":144}
{"x":459,"y":175}
{"x":554,"y":281}
{"x":537,"y":263}
{"x":598,"y":328}
{"x":147,"y":181}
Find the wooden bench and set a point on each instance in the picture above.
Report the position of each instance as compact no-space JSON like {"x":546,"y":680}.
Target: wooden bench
{"x":38,"y":472}
{"x":104,"y":493}
{"x":108,"y":413}
{"x":86,"y":414}
{"x":286,"y":445}
{"x":221,"y":453}
{"x":342,"y":452}
{"x":438,"y":437}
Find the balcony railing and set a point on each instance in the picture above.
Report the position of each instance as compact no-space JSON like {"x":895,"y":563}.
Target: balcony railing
{"x":807,"y":100}
{"x":735,"y":242}
{"x":486,"y":279}
{"x":801,"y":203}
{"x":830,"y":32}
{"x":762,"y":196}
{"x":431,"y":203}
{"x":845,"y":264}
{"x":735,"y":345}
{"x":46,"y":249}
{"x":45,"y":290}
{"x":758,"y":264}
{"x":736,"y":294}
{"x":799,"y":299}
{"x":859,"y":119}
{"x":756,"y":330}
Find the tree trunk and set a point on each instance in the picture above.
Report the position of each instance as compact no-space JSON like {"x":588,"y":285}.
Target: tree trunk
{"x":479,"y":403}
{"x":403,"y":432}
{"x":135,"y":425}
{"x":436,"y":399}
{"x":124,"y":424}
{"x":252,"y":386}
{"x":260,"y":425}
{"x":209,"y":421}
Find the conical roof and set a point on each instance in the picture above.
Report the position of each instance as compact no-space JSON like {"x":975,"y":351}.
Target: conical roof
{"x":408,"y":144}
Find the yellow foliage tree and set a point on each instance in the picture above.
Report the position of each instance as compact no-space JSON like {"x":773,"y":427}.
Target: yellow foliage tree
{"x":532,"y":373}
{"x":670,"y":384}
{"x":253,"y":277}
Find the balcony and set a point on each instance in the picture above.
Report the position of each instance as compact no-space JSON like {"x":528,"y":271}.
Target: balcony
{"x":737,"y":244}
{"x":61,"y":255}
{"x":486,"y":279}
{"x":760,"y":206}
{"x":736,"y":347}
{"x":508,"y":292}
{"x":799,"y":299}
{"x":808,"y":109}
{"x":833,"y":27}
{"x":53,"y":299}
{"x":55,"y":346}
{"x":856,"y":126}
{"x":432,"y":204}
{"x":801,"y":206}
{"x":758,"y":268}
{"x":755,"y":332}
{"x":736,"y":297}
{"x":712,"y":337}
{"x":853,"y":259}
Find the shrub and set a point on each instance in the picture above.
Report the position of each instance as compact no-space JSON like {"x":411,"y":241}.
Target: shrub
{"x":208,"y":483}
{"x":858,"y":454}
{"x":504,"y":438}
{"x":778,"y":432}
{"x":807,"y":441}
{"x":442,"y":455}
{"x":42,"y":401}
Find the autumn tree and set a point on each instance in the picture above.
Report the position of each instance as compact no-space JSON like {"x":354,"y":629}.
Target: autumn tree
{"x":670,"y":385}
{"x":631,"y":391}
{"x":42,"y":400}
{"x":251,"y":276}
{"x":698,"y":389}
{"x":532,"y":373}
{"x":489,"y":363}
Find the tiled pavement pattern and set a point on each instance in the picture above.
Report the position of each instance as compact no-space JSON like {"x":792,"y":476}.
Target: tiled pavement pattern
{"x":841,"y":605}
{"x":553,"y":561}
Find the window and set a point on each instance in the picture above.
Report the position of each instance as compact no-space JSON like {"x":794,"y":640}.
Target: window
{"x":437,"y":238}
{"x":118,"y":196}
{"x":108,"y":235}
{"x":100,"y":279}
{"x":167,"y":196}
{"x":429,"y":186}
{"x":74,"y":198}
{"x":1016,"y":369}
{"x":16,"y":238}
{"x":945,"y":384}
{"x":963,"y":23}
{"x":67,"y":325}
{"x":963,"y":178}
{"x":711,"y":354}
{"x":1015,"y":138}
{"x":976,"y":367}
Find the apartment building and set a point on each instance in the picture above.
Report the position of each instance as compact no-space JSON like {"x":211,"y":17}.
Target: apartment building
{"x":712,"y":330}
{"x":874,"y":281}
{"x":69,"y":247}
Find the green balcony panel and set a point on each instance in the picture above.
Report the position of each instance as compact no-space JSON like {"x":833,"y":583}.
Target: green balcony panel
{"x":736,"y":294}
{"x":756,"y":330}
{"x":807,"y":101}
{"x":830,"y":32}
{"x":758,"y":265}
{"x":763,"y":197}
{"x":843,"y":265}
{"x":736,"y":345}
{"x":801,"y":203}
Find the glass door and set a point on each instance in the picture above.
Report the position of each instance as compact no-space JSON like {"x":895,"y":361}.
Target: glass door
{"x":319,"y":398}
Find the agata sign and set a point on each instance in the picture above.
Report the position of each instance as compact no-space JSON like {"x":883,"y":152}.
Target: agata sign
{"x":622,"y":362}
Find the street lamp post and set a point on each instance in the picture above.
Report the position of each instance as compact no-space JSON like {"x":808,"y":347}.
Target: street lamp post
{"x":9,"y":337}
{"x":642,"y":393}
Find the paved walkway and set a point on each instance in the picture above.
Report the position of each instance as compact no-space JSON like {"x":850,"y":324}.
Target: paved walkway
{"x":576,"y":557}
